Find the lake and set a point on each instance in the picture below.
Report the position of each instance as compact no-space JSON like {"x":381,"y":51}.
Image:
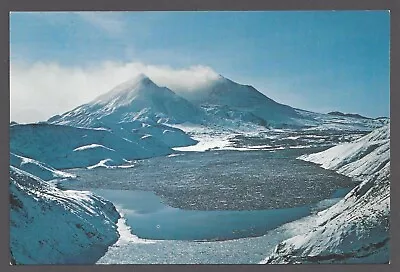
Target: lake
{"x":199,"y":207}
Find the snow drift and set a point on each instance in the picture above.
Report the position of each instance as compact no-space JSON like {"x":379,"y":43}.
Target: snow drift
{"x":356,"y":229}
{"x":51,"y":226}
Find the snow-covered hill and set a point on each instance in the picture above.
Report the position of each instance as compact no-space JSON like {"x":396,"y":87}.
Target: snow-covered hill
{"x":70,"y":147}
{"x":356,"y":229}
{"x":51,"y":226}
{"x":359,"y":159}
{"x":324,"y":122}
{"x":36,"y":168}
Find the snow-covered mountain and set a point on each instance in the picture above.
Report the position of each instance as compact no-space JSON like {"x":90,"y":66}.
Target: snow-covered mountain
{"x":51,"y":226}
{"x":225,"y":98}
{"x":356,"y":229}
{"x":137,"y":99}
{"x":220,"y":101}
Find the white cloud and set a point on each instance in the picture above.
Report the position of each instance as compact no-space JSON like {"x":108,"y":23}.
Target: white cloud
{"x":41,"y":90}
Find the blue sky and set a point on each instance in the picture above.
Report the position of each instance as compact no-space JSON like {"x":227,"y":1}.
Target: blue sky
{"x":318,"y":61}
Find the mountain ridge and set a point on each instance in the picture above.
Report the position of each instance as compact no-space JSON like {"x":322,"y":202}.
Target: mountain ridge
{"x":220,"y":101}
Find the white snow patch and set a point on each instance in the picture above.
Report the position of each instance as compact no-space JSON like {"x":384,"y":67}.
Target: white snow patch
{"x":299,"y":146}
{"x":174,"y":155}
{"x":205,"y":143}
{"x":126,"y":166}
{"x":90,"y":146}
{"x":145,"y":136}
{"x":101,"y":163}
{"x":259,"y":146}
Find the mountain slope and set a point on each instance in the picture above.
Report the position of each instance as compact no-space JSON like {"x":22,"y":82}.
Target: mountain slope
{"x":356,"y":229}
{"x":139,"y":99}
{"x":355,"y":115}
{"x":36,"y":168}
{"x":229,"y":98}
{"x":70,"y":147}
{"x":50,"y":226}
{"x":143,"y":99}
{"x":361,"y":158}
{"x":224,"y":99}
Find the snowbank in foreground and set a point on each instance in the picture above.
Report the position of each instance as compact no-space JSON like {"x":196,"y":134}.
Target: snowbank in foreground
{"x":51,"y":226}
{"x":356,"y":229}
